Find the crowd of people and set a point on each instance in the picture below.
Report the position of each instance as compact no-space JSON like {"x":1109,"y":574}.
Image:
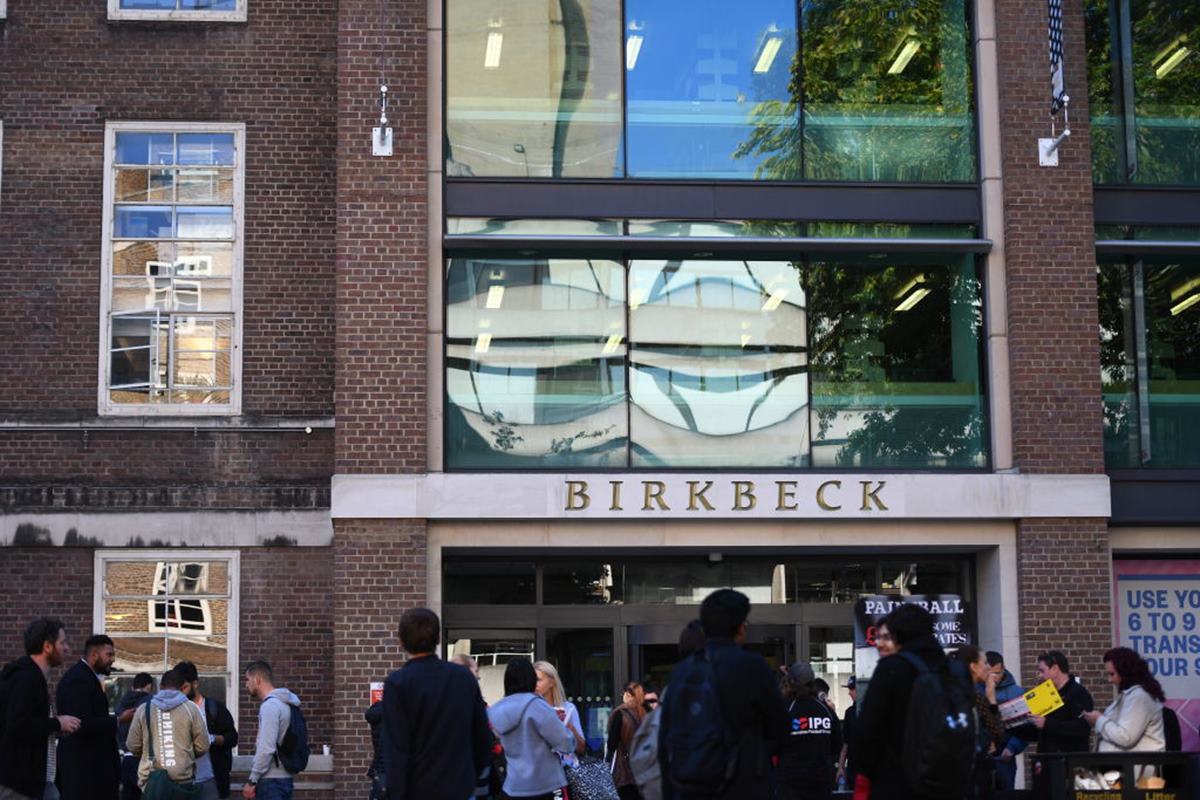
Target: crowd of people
{"x":164,"y":742}
{"x":726,"y":725}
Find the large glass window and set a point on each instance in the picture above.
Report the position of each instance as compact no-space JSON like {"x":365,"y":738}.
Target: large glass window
{"x":1144,"y":90}
{"x":819,"y":361}
{"x":1150,"y":361}
{"x":172,"y":269}
{"x":768,"y":90}
{"x":178,"y":10}
{"x":163,"y":608}
{"x":533,"y":89}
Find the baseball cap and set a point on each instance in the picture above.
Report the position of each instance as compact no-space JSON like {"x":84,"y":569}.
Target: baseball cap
{"x":801,"y":673}
{"x":851,"y":682}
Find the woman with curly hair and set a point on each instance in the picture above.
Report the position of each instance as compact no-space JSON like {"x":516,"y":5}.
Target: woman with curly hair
{"x":1134,"y":721}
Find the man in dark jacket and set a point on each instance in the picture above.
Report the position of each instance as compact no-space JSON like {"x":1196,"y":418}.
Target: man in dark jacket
{"x":751,"y":705}
{"x":89,"y":765}
{"x":141,"y":691}
{"x":1007,"y":689}
{"x":435,"y":724}
{"x":1062,"y":730}
{"x":28,"y":732}
{"x":222,"y":735}
{"x":880,"y":726}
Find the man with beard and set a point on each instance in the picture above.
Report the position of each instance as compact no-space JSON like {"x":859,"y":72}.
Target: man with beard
{"x":89,"y":767}
{"x":28,"y":729}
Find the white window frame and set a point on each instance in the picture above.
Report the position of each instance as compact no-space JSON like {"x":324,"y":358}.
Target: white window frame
{"x":3,"y":9}
{"x":105,"y":406}
{"x":232,"y":623}
{"x":115,"y":12}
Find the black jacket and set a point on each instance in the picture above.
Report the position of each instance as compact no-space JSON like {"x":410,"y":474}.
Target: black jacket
{"x":374,"y":718}
{"x":812,"y":745}
{"x":753,"y":707}
{"x":879,"y":728}
{"x":131,"y":699}
{"x":435,"y":731}
{"x":220,"y":723}
{"x":88,"y":765}
{"x":27,"y":726}
{"x":1064,"y":731}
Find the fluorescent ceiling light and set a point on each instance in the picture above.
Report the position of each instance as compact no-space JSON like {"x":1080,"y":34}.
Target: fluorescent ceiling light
{"x":633,"y":46}
{"x":612,"y":345}
{"x":745,"y":339}
{"x":905,"y":55}
{"x":912,"y":299}
{"x":495,"y":43}
{"x":775,"y":299}
{"x":638,"y":296}
{"x":1170,"y":57}
{"x":495,"y":297}
{"x":483,"y":343}
{"x":1185,"y":304}
{"x":767,"y":56}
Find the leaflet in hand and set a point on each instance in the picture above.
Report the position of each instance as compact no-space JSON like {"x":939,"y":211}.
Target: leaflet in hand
{"x":1041,"y":700}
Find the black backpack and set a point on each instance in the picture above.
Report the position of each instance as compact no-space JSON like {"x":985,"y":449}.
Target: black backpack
{"x":939,"y":730}
{"x":701,"y":752}
{"x":292,"y":753}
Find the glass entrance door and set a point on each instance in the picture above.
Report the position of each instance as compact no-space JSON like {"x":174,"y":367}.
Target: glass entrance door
{"x":654,"y":649}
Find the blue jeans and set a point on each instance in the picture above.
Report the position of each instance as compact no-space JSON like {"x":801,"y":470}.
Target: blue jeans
{"x":274,"y":789}
{"x":1006,"y":773}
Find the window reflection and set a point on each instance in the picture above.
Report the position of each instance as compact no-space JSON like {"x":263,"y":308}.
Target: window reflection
{"x":533,"y":89}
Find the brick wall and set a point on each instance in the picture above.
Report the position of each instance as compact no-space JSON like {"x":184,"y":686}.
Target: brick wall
{"x":381,"y":241}
{"x":1053,"y":318}
{"x":150,"y":470}
{"x":379,"y":571}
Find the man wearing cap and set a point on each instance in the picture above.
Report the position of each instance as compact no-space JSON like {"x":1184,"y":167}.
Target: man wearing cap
{"x":806,"y":759}
{"x":845,"y":773}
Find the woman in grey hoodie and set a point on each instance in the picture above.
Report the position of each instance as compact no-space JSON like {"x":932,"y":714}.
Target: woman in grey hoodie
{"x":532,"y":735}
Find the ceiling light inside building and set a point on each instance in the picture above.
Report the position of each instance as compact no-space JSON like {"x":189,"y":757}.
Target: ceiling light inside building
{"x":775,"y":299}
{"x":770,"y":49}
{"x":483,"y":343}
{"x":1185,"y":296}
{"x":910,"y":48}
{"x":633,"y":44}
{"x":612,"y":345}
{"x":912,"y":293}
{"x":1170,"y":57}
{"x":495,"y":44}
{"x":495,"y":297}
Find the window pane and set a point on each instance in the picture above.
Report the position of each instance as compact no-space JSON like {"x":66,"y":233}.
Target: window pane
{"x":148,"y":4}
{"x":706,"y":79}
{"x":126,"y":617}
{"x":204,"y":259}
{"x":1166,"y":83}
{"x":584,"y":659}
{"x":706,"y":228}
{"x":197,"y":577}
{"x":209,"y":5}
{"x":927,"y":576}
{"x":205,"y":186}
{"x":219,"y":397}
{"x":489,"y":582}
{"x":137,"y":294}
{"x":1104,"y":91}
{"x":719,"y":364}
{"x":145,"y":148}
{"x":143,"y":258}
{"x":133,"y":341}
{"x":533,"y":89}
{"x":205,"y":148}
{"x":1173,"y":349}
{"x":483,"y":226}
{"x":686,"y":581}
{"x":896,"y":364}
{"x":140,"y":655}
{"x":535,"y":363}
{"x":143,"y":222}
{"x":583,"y":582}
{"x":133,"y":185}
{"x":208,"y":653}
{"x":492,"y":655}
{"x":1118,"y":368}
{"x":841,"y":581}
{"x":887,"y":93}
{"x":205,"y":222}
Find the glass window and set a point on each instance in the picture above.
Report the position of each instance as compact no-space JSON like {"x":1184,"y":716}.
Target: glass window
{"x":584,"y":660}
{"x":835,"y":581}
{"x":923,"y":576}
{"x":163,"y":609}
{"x":200,"y":10}
{"x":584,"y":582}
{"x":1150,"y":415}
{"x":704,"y":78}
{"x":533,"y":89}
{"x":895,"y":353}
{"x":173,"y":271}
{"x":730,"y":391}
{"x":535,"y":363}
{"x":492,"y":650}
{"x":1145,"y":112}
{"x":489,"y":582}
{"x":888,"y":93}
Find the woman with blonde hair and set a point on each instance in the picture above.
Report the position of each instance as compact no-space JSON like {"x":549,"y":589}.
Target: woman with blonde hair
{"x":622,"y":725}
{"x":550,"y":687}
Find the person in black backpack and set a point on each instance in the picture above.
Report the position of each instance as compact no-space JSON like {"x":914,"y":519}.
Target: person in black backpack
{"x":213,"y":768}
{"x":884,"y":732}
{"x":723,"y":717}
{"x":278,"y":713}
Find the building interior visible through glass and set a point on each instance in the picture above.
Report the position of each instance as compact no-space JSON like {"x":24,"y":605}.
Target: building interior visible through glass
{"x":1144,"y":90}
{"x":834,"y":90}
{"x":820,"y":361}
{"x":1150,"y":361}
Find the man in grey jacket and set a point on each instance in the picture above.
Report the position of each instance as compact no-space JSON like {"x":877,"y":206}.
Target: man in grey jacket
{"x":268,"y":780}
